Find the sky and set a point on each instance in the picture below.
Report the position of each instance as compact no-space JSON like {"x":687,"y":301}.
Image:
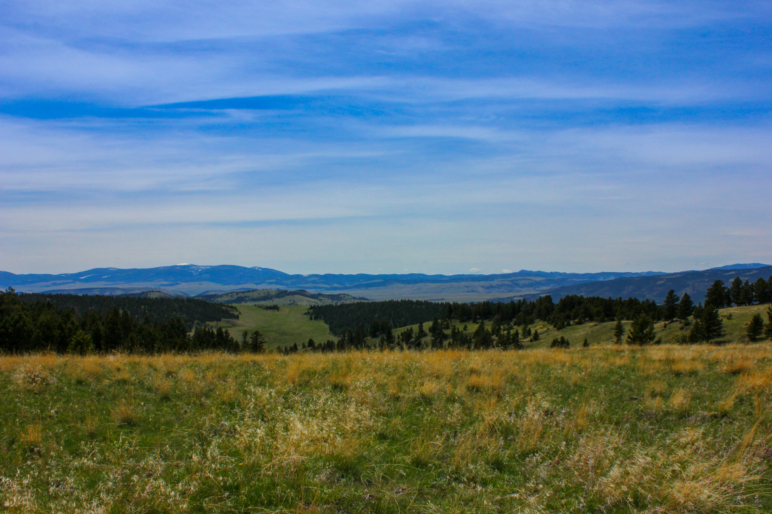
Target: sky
{"x":385,"y":137}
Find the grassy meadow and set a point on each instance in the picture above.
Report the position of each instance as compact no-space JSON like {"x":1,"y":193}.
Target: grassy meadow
{"x":285,"y":327}
{"x":603,"y":429}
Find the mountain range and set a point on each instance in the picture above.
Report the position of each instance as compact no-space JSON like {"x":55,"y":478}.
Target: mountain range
{"x":189,"y":279}
{"x":192,"y":280}
{"x":695,"y":283}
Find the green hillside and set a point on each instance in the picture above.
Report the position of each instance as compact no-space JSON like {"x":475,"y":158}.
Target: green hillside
{"x":289,"y":325}
{"x":284,"y":327}
{"x":279,"y":297}
{"x":735,"y":321}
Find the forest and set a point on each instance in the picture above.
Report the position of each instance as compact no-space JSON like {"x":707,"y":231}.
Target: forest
{"x":103,"y":324}
{"x":191,"y":311}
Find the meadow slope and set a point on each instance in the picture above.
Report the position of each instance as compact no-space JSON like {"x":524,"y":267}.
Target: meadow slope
{"x":603,"y":429}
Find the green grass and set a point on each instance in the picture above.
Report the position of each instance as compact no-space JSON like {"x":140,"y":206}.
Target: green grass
{"x":287,"y":326}
{"x":607,"y":429}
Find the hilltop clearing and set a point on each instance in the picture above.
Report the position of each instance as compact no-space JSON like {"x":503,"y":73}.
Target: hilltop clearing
{"x":283,"y":327}
{"x":278,"y":297}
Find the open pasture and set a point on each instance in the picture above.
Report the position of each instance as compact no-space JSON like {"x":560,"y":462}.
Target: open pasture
{"x":285,"y":327}
{"x":604,"y":429}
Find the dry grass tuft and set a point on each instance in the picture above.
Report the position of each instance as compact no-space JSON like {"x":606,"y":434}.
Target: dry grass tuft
{"x":687,"y":367}
{"x":491,"y":383}
{"x":126,"y":414}
{"x":32,"y":377}
{"x":679,"y":400}
{"x":735,"y":367}
{"x":33,"y":437}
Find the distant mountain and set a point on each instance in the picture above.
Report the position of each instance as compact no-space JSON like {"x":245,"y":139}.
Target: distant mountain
{"x":191,"y":279}
{"x":656,"y":287}
{"x":752,"y":265}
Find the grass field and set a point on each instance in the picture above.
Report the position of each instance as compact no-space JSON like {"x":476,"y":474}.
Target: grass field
{"x":285,"y":327}
{"x":603,"y":429}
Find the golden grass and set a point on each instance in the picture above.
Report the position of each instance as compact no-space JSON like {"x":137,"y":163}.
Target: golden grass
{"x":668,"y":429}
{"x":126,"y":414}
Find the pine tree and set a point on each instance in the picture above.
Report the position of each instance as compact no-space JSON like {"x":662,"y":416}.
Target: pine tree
{"x":81,"y":344}
{"x":762,"y":291}
{"x":718,"y":295}
{"x":685,"y":307}
{"x":516,"y":339}
{"x":755,"y":327}
{"x":712,"y":324}
{"x":421,"y":333}
{"x":641,"y":331}
{"x":482,"y":337}
{"x":670,"y":306}
{"x":256,"y":342}
{"x":586,"y":343}
{"x":619,"y":331}
{"x":746,"y":295}
{"x":736,"y":291}
{"x":535,"y":335}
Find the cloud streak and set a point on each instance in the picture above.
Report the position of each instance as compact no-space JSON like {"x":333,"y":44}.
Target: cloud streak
{"x":363,"y":136}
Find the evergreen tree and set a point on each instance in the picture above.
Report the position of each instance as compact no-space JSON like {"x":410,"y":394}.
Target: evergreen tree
{"x":421,"y":333}
{"x":641,"y":331}
{"x":256,"y":342}
{"x":736,"y":291}
{"x":81,"y":344}
{"x":438,"y":335}
{"x":535,"y":335}
{"x":714,"y":325}
{"x":762,"y":292}
{"x":482,"y":337}
{"x":670,"y":306}
{"x":619,"y":331}
{"x":708,"y":324}
{"x":746,"y":295}
{"x":718,"y":295}
{"x":755,"y":327}
{"x":586,"y":343}
{"x":685,"y":307}
{"x":389,"y":336}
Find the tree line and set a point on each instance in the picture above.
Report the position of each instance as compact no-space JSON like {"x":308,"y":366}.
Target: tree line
{"x":93,"y":325}
{"x":191,"y":311}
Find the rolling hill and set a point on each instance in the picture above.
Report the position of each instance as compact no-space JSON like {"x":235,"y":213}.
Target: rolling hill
{"x":279,"y":297}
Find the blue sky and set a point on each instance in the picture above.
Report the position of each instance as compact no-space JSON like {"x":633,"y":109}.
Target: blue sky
{"x":347,"y":137}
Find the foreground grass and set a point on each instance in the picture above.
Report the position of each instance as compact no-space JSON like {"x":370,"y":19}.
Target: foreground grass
{"x":679,"y":429}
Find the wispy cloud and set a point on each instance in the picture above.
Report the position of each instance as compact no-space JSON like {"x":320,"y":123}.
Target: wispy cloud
{"x":366,"y":136}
